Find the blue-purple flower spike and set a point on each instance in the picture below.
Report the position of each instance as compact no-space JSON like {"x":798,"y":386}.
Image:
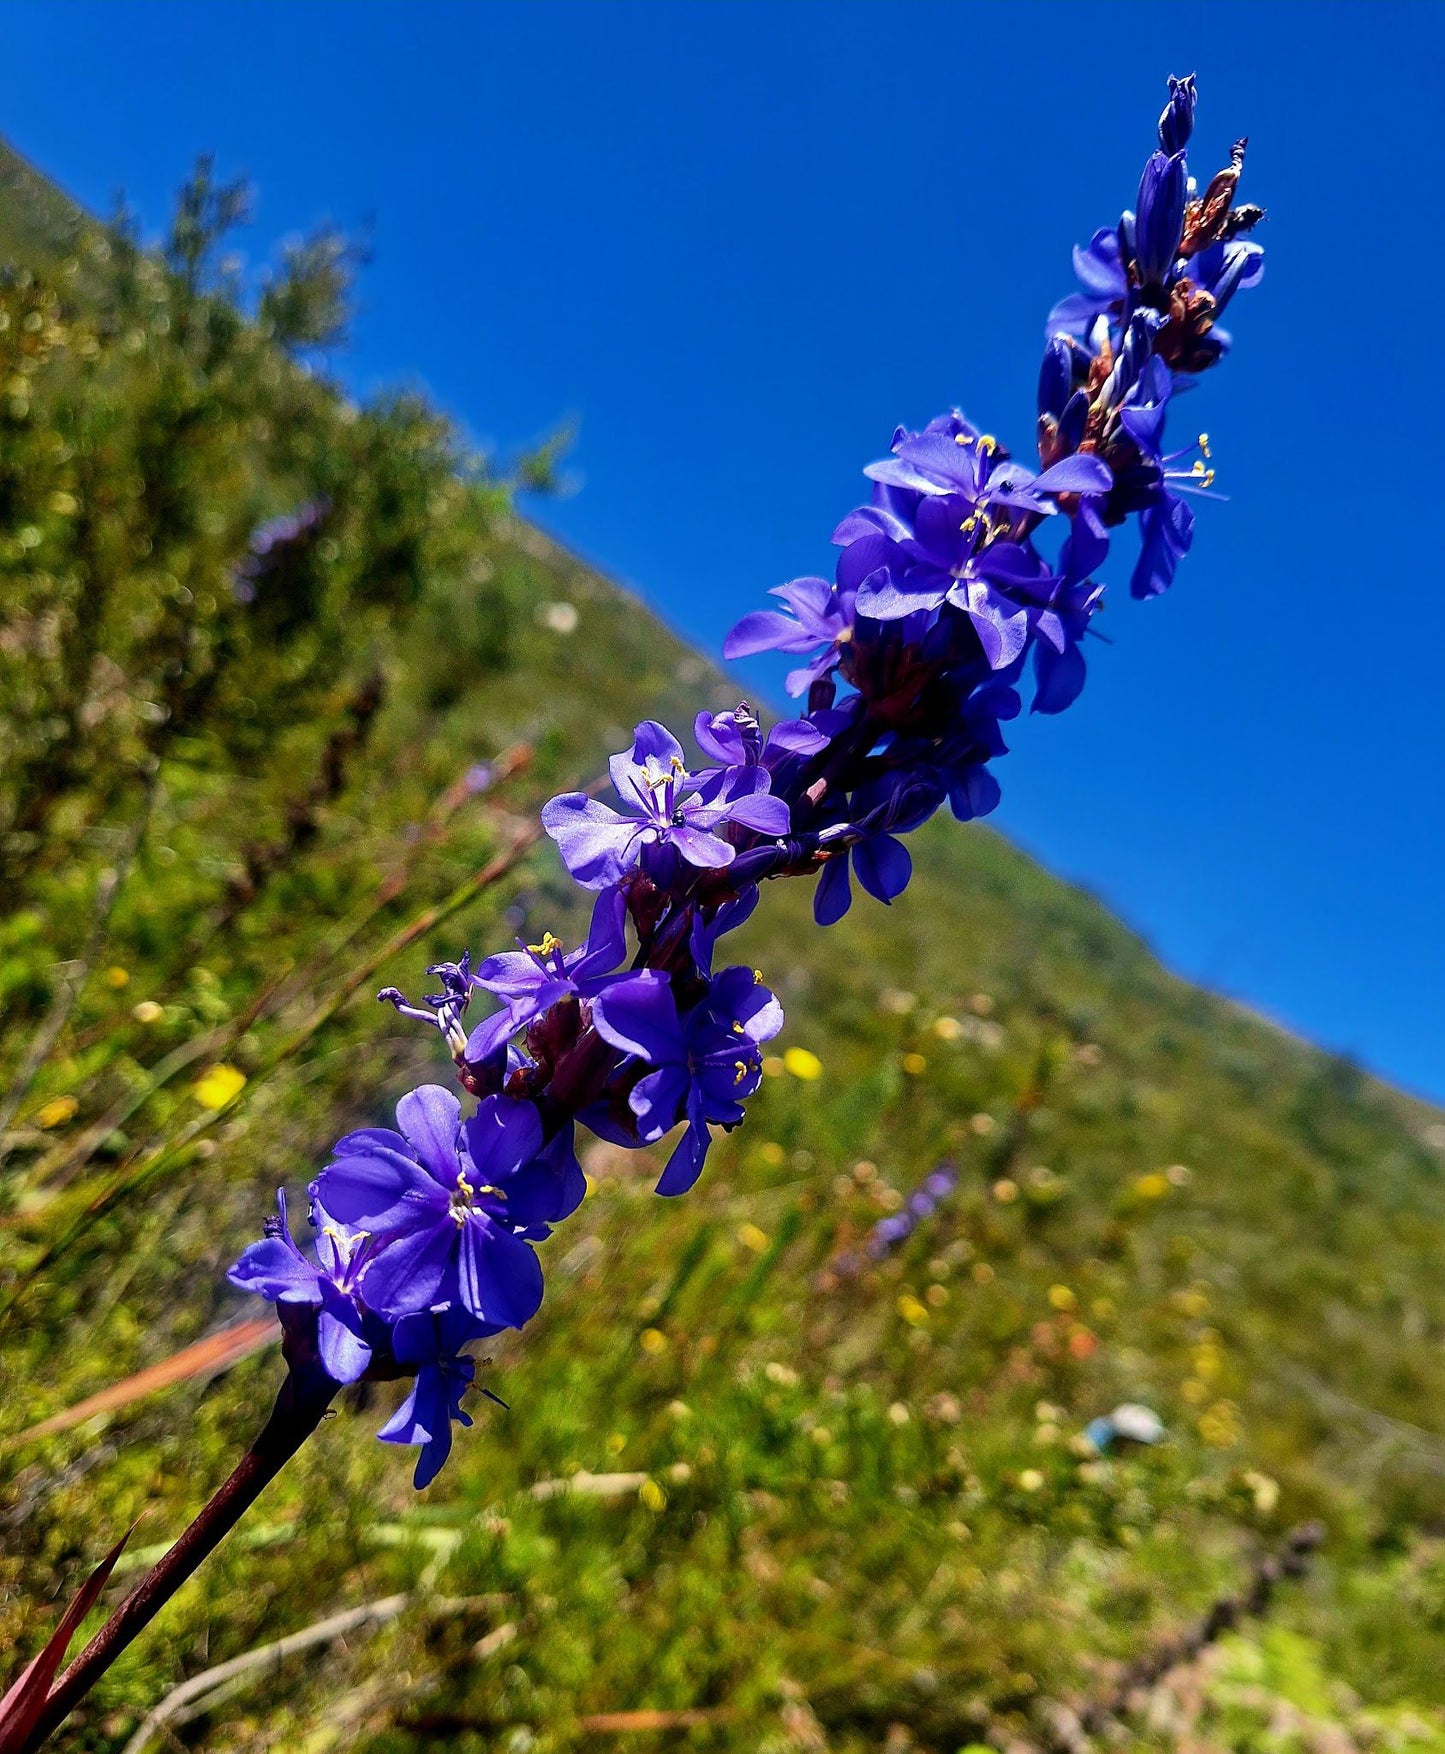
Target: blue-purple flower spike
{"x":966,"y":581}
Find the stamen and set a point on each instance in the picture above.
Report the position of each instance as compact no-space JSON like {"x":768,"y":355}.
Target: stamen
{"x":464,"y":1199}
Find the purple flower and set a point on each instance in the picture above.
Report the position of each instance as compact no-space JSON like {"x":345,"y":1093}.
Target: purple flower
{"x":821,"y":616}
{"x":880,"y":811}
{"x":1165,"y":534}
{"x":1224,"y":269}
{"x":446,"y":1201}
{"x":951,"y":457}
{"x":974,"y":739}
{"x":664,"y":806}
{"x":703,"y":1066}
{"x":888,"y":1232}
{"x":275,"y":1269}
{"x":735,"y":739}
{"x":535,"y":977}
{"x":431,"y":1345}
{"x":706,"y":930}
{"x":277,"y":549}
{"x":1099,"y":267}
{"x":954,"y":531}
{"x":947,"y":586}
{"x":1156,"y":489}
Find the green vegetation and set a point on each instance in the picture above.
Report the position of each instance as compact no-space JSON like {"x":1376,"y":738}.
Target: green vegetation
{"x":859,"y":1514}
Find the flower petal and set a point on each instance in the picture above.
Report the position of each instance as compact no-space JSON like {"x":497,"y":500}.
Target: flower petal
{"x":594,"y":841}
{"x":639,"y":1016}
{"x":766,"y":630}
{"x":380,"y":1189}
{"x":883,"y":866}
{"x":702,"y":848}
{"x":274,"y":1269}
{"x":499,"y":1277}
{"x":413,"y":1271}
{"x":833,"y":895}
{"x":685,"y":1165}
{"x":501,"y":1136}
{"x":344,"y":1354}
{"x":763,"y":813}
{"x":431,"y":1117}
{"x":656,"y":1099}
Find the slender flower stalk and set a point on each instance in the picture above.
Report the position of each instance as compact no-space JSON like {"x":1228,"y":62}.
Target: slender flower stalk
{"x":966,"y":579}
{"x":300,"y":1407}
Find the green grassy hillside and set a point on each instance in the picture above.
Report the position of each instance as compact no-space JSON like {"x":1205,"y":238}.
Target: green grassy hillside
{"x":38,"y":224}
{"x":741,"y":1499}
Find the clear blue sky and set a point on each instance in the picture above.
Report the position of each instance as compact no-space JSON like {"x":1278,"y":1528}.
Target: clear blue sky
{"x":739,"y":242}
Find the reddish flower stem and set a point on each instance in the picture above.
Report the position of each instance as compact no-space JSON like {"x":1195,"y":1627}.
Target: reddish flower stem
{"x":299,"y":1409}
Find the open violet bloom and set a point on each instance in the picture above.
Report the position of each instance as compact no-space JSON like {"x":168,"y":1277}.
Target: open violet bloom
{"x":703,"y":1066}
{"x":276,"y":1269}
{"x":663,"y":805}
{"x":431,"y":1346}
{"x":820,"y":616}
{"x":534,"y":977}
{"x":446,"y":1202}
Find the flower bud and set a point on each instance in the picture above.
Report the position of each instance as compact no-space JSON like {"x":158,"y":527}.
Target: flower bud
{"x":1160,"y":220}
{"x":1177,"y":122}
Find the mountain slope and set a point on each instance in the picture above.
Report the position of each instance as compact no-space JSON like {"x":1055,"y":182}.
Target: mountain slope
{"x":859,"y":1511}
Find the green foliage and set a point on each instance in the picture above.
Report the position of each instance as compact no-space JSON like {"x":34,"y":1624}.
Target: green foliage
{"x":856,"y":1511}
{"x":146,"y":430}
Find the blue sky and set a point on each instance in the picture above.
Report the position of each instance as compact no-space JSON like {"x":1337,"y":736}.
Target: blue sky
{"x":740,"y":242}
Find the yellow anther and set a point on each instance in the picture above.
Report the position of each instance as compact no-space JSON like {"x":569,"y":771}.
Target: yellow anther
{"x":546,"y":947}
{"x":1204,"y":443}
{"x":757,"y":977}
{"x":969,"y":524}
{"x":465,"y":1188}
{"x":962,"y":438}
{"x":740,"y":1071}
{"x":676,"y":764}
{"x":987,"y":443}
{"x":738,"y":1028}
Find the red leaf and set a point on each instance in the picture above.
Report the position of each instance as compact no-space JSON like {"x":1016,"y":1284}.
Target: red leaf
{"x":22,"y":1704}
